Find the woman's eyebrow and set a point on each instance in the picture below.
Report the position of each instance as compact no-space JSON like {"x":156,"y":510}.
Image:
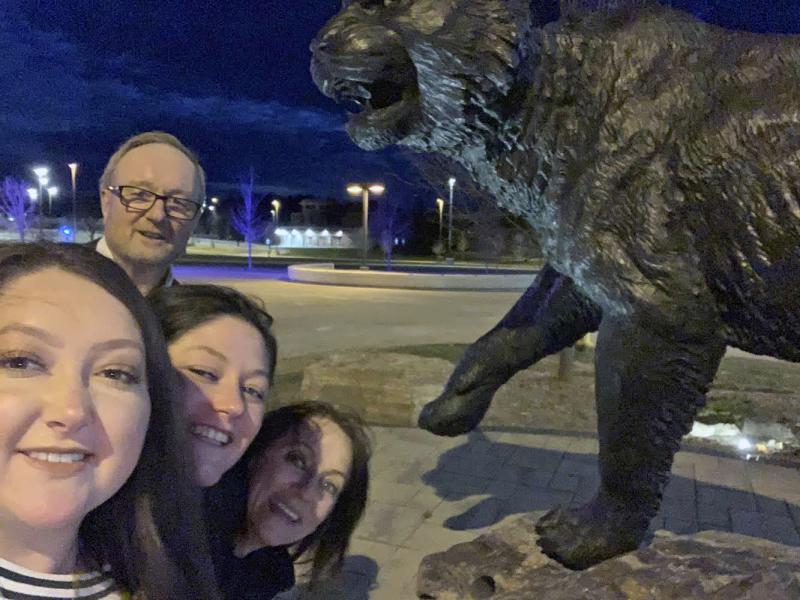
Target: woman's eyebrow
{"x":41,"y":334}
{"x":116,"y":344}
{"x":334,"y":472}
{"x":211,"y":351}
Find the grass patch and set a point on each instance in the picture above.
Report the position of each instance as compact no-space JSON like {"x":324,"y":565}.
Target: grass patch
{"x":733,"y":408}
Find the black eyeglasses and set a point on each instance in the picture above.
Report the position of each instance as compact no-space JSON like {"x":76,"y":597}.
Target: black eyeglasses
{"x":141,"y":200}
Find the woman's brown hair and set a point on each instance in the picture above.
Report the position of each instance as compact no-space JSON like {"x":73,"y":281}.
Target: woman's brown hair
{"x":327,"y":545}
{"x":149,"y":533}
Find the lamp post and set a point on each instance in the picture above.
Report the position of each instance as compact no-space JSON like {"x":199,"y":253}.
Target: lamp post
{"x":42,"y":179}
{"x":52,"y":192}
{"x":73,"y":169}
{"x":451,"y":183}
{"x":440,"y":206}
{"x":363,"y":189}
{"x":276,"y":205}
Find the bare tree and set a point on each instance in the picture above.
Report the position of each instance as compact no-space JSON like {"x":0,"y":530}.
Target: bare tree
{"x":390,"y":221}
{"x":15,"y":204}
{"x":246,"y":219}
{"x":91,"y":225}
{"x":484,"y":226}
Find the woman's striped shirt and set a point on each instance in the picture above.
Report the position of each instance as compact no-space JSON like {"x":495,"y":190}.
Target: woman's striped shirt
{"x":19,"y":583}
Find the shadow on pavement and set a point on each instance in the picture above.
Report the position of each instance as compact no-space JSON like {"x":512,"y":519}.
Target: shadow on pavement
{"x":524,"y":479}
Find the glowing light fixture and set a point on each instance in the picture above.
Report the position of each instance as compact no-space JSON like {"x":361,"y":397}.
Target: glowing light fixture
{"x":364,"y":189}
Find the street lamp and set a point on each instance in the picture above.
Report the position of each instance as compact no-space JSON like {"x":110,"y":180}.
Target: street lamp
{"x":274,"y":214}
{"x":33,"y":194}
{"x":440,"y":206}
{"x":52,"y":192}
{"x":363,"y":189}
{"x":451,"y":183}
{"x":42,"y":179}
{"x":73,"y":169}
{"x":276,"y":204}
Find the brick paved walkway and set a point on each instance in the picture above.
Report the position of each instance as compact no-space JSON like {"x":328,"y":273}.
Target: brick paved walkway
{"x":429,"y":493}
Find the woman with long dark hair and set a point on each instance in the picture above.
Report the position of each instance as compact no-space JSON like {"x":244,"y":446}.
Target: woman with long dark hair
{"x":306,"y":480}
{"x":294,"y":485}
{"x":95,"y":495}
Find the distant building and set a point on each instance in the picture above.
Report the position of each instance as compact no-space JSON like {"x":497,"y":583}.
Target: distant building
{"x":292,"y":237}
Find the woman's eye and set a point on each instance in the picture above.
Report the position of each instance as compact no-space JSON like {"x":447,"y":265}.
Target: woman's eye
{"x":120,"y":375}
{"x":203,"y":373}
{"x":297,"y":459}
{"x":254,"y":392}
{"x":21,"y":364}
{"x":330,"y":488}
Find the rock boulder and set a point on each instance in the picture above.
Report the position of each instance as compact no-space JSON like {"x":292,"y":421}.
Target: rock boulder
{"x":386,"y":388}
{"x":506,"y":564}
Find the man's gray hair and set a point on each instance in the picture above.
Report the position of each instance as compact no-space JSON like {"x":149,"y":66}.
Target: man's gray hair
{"x":154,"y":137}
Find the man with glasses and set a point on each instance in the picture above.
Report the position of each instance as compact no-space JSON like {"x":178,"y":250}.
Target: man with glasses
{"x":151,"y":193}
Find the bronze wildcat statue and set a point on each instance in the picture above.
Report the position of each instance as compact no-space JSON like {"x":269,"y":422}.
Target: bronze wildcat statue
{"x":658,"y":160}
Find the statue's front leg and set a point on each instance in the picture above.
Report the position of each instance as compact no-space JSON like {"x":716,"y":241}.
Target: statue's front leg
{"x":649,"y":389}
{"x":551,"y":315}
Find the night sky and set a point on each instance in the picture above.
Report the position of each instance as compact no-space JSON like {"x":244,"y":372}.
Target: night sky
{"x":229,"y":78}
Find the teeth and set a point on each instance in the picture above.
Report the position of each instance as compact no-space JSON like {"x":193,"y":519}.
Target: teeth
{"x":58,"y":457}
{"x":288,"y":511}
{"x":214,"y":435}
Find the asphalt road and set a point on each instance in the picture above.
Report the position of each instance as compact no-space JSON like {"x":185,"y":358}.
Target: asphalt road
{"x":313,"y":318}
{"x":320,"y":318}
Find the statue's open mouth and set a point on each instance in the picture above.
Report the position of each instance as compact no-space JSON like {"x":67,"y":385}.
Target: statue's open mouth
{"x":362,"y":97}
{"x":380,"y":93}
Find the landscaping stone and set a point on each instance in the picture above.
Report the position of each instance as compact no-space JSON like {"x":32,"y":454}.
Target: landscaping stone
{"x":506,"y":564}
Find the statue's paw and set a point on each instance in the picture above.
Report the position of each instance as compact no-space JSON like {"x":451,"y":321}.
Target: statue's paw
{"x":455,"y":414}
{"x":581,"y":537}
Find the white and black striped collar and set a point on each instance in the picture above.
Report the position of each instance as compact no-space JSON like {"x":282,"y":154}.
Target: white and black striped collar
{"x":19,"y":583}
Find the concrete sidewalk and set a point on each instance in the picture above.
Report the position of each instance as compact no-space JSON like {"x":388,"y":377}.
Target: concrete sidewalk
{"x":429,"y":493}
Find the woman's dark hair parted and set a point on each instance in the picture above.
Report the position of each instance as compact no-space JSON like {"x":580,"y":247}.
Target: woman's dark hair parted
{"x":184,"y":307}
{"x":149,"y":532}
{"x":328,"y":543}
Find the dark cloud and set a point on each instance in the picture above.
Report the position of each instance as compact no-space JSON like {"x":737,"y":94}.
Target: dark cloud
{"x":48,"y":91}
{"x":60,"y":101}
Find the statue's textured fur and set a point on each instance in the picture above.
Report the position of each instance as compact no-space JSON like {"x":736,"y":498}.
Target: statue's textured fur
{"x":657,"y":159}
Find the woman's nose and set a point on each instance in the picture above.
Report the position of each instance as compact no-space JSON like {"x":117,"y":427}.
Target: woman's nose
{"x":69,"y":404}
{"x":227,"y":399}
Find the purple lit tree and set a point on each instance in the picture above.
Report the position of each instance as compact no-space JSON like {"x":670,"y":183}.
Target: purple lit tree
{"x":390,"y":221}
{"x":246,"y":219}
{"x":15,"y":204}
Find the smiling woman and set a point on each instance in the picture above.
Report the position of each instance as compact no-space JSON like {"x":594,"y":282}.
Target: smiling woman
{"x":299,"y":491}
{"x":222,"y":344}
{"x":93,"y":490}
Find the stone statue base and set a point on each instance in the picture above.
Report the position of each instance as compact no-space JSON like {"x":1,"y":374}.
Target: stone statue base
{"x":507,"y":564}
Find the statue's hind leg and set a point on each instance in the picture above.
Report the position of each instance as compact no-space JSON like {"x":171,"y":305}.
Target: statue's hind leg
{"x":551,"y":315}
{"x":649,"y":389}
